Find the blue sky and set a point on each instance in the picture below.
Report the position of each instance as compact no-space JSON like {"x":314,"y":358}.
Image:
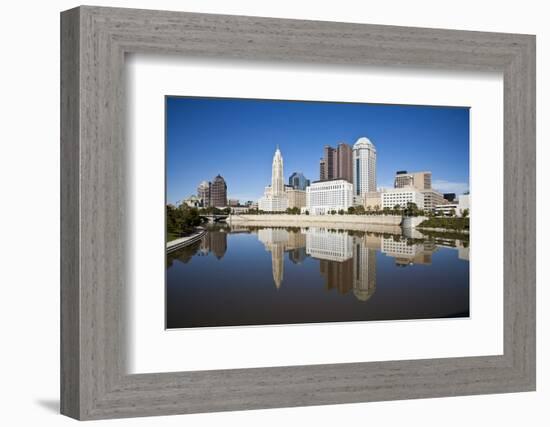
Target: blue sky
{"x":236,"y":138}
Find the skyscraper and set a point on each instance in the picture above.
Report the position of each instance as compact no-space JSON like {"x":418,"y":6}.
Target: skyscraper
{"x":277,"y":180}
{"x":344,"y":156}
{"x":275,"y":198}
{"x":336,"y":163}
{"x":322,"y":169}
{"x":364,"y":167}
{"x":218,"y":192}
{"x":203,"y":193}
{"x":298,"y":181}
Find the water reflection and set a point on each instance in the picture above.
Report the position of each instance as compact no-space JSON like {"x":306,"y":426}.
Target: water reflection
{"x":346,"y":263}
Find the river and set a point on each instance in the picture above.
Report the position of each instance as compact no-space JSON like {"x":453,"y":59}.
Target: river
{"x":237,"y":276}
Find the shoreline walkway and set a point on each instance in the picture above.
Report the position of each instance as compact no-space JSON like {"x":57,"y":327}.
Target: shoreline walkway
{"x":182,"y":242}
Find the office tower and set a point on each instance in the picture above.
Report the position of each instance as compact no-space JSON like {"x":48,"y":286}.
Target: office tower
{"x":322,"y":169}
{"x":337,"y":163}
{"x":364,"y":167}
{"x":418,"y":180}
{"x":275,"y":198}
{"x":277,"y":180}
{"x":344,"y":155}
{"x":298,"y":181}
{"x":203,"y":193}
{"x":218,"y":192}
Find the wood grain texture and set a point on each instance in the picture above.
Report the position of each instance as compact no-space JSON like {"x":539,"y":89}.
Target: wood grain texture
{"x":94,"y":382}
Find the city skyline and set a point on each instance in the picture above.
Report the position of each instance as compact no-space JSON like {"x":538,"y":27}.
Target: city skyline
{"x":235,"y":138}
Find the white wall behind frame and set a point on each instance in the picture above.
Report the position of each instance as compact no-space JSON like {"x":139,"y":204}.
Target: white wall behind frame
{"x":152,"y":349}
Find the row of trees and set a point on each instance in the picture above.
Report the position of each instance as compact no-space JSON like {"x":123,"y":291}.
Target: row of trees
{"x":450,"y":223}
{"x":411,"y":210}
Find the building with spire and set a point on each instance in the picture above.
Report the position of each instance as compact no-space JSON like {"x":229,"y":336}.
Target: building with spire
{"x":275,"y":198}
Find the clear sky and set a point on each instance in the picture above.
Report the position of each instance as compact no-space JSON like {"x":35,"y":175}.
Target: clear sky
{"x":236,"y":138}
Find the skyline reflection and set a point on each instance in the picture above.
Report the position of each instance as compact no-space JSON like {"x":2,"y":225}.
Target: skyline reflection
{"x":315,"y":274}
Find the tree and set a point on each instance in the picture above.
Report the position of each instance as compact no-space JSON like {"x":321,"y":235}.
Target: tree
{"x":411,"y":209}
{"x":465,"y":213}
{"x":351,"y":210}
{"x":307,"y":212}
{"x":360,"y":210}
{"x":341,"y":212}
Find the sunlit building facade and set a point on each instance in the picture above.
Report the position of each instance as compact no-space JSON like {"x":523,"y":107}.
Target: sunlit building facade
{"x":275,"y":198}
{"x":364,"y":168}
{"x":323,"y":197}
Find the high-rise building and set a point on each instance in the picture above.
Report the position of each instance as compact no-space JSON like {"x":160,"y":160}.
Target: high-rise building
{"x":298,"y":181}
{"x":277,"y":180}
{"x":322,"y":169}
{"x":275,"y":198}
{"x":418,"y":180}
{"x":364,"y":167}
{"x":344,"y":156}
{"x":203,"y":193}
{"x":218,"y":192}
{"x":336,"y":163}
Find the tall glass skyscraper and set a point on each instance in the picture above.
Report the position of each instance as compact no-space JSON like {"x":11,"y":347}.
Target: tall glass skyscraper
{"x":298,"y":181}
{"x":364,"y":167}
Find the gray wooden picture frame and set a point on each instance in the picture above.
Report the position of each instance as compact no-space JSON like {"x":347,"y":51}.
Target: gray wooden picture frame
{"x":94,"y":382}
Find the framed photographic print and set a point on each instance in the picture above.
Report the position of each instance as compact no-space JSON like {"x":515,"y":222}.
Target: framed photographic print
{"x":262,"y":213}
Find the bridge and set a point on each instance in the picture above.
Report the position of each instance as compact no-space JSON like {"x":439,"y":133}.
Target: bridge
{"x":215,"y":218}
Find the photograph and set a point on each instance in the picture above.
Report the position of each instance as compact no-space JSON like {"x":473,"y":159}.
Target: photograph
{"x":293,"y":212}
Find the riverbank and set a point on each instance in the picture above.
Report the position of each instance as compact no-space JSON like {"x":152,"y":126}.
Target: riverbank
{"x":377,"y":223}
{"x":446,"y":225}
{"x":176,"y":244}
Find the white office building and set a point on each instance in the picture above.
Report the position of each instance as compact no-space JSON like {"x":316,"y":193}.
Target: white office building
{"x":364,"y":168}
{"x":322,"y":197}
{"x":401,"y":197}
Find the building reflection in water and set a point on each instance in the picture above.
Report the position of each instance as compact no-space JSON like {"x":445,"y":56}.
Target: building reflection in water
{"x":215,"y":241}
{"x":278,"y":241}
{"x":407,"y":252}
{"x":347,"y":263}
{"x":347,"y":259}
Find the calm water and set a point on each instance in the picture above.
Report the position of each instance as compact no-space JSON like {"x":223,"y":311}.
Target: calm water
{"x":257,"y":276}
